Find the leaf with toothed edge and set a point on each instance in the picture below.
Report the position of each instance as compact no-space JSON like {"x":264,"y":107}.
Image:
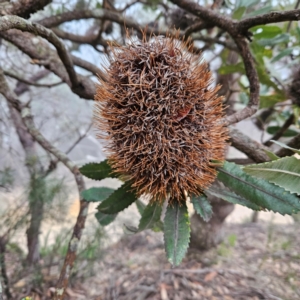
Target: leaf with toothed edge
{"x":97,"y":171}
{"x":259,"y":191}
{"x":151,"y":216}
{"x":202,"y":207}
{"x":118,"y":200}
{"x":176,"y":232}
{"x":140,"y":206}
{"x":284,"y":172}
{"x":231,"y":197}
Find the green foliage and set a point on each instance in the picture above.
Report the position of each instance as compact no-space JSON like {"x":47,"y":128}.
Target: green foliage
{"x":96,"y":194}
{"x":118,"y":200}
{"x":176,"y":232}
{"x":140,"y":206}
{"x":97,"y":171}
{"x":231,"y":197}
{"x":258,"y":191}
{"x":104,"y":219}
{"x":202,"y":207}
{"x":284,"y":172}
{"x":288,"y":133}
{"x":150,"y":216}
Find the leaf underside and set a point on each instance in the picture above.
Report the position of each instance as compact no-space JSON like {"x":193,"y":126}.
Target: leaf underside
{"x":176,"y":232}
{"x":104,"y":219}
{"x":96,"y":194}
{"x":118,"y":200}
{"x":151,"y":215}
{"x":202,"y":207}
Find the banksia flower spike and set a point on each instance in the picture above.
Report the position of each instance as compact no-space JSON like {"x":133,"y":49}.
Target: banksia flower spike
{"x":161,"y":119}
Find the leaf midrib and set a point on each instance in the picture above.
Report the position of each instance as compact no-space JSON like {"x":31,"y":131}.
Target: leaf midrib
{"x":256,"y":187}
{"x":273,"y":170}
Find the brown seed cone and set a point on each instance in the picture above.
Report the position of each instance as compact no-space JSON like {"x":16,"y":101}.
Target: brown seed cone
{"x":161,"y":118}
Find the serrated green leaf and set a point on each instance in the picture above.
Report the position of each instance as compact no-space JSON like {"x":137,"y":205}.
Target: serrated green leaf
{"x":150,"y":216}
{"x":271,"y":155}
{"x":282,"y":53}
{"x":202,"y":207}
{"x":140,"y":206}
{"x":266,"y":31}
{"x":231,"y":197}
{"x":238,"y":68}
{"x":238,"y":13}
{"x":118,"y":200}
{"x":284,"y":172}
{"x":259,"y":191}
{"x":176,"y":232}
{"x":97,"y":171}
{"x":286,"y":146}
{"x":96,"y":194}
{"x":104,"y":219}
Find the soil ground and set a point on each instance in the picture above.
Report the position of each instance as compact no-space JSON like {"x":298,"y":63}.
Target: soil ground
{"x":255,"y":261}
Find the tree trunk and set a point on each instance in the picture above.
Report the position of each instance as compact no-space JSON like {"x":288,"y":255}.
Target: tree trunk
{"x":205,"y":235}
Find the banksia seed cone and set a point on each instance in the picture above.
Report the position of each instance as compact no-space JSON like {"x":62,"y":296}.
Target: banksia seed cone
{"x":161,"y":118}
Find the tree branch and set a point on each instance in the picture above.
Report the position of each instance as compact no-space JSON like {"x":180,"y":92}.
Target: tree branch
{"x":251,"y":148}
{"x":272,"y":17}
{"x":42,"y":54}
{"x":21,"y":79}
{"x":293,"y":143}
{"x":24,"y":8}
{"x":79,"y":226}
{"x":14,"y":22}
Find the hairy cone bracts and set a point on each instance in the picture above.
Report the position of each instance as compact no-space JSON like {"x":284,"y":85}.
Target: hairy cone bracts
{"x":161,"y":118}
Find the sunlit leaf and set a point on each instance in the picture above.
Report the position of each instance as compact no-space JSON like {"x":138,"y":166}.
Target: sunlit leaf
{"x":284,"y":172}
{"x":266,"y":31}
{"x":238,"y":13}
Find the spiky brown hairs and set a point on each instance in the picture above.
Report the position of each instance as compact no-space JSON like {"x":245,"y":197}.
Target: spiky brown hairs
{"x":161,"y":118}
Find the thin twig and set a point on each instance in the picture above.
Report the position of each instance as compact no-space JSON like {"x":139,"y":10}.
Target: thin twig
{"x":281,"y":131}
{"x":79,"y":225}
{"x":21,"y":79}
{"x":14,"y":22}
